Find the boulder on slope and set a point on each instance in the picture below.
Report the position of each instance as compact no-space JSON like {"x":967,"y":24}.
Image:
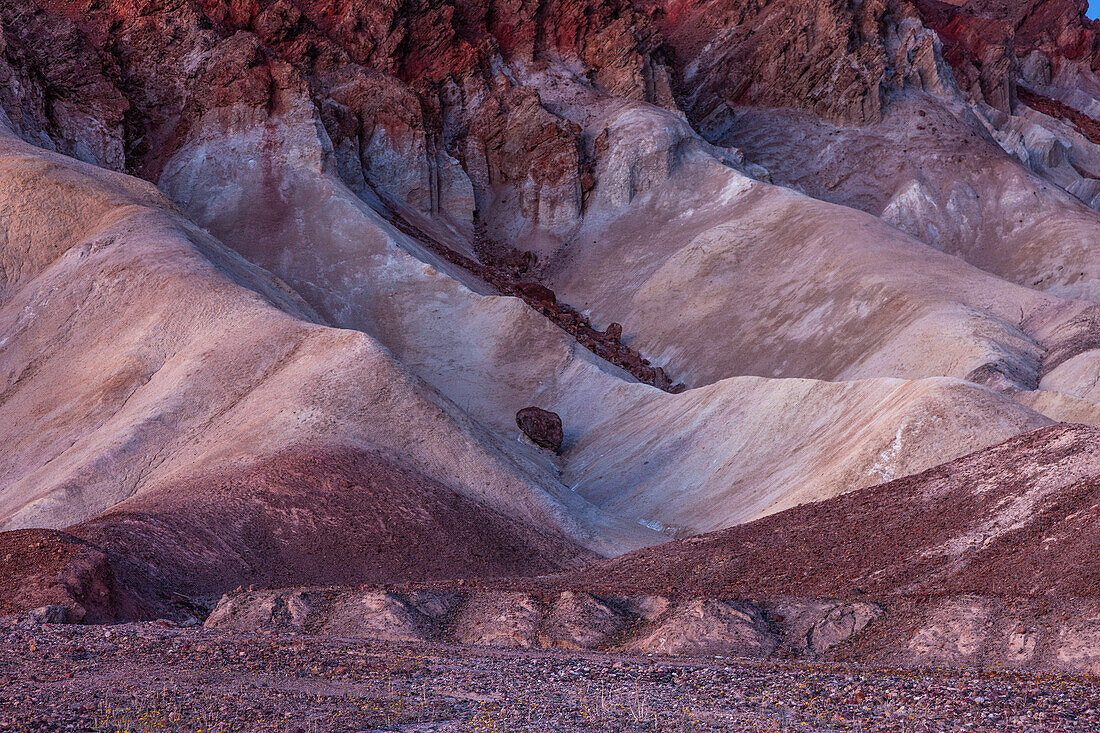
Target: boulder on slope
{"x":542,"y":427}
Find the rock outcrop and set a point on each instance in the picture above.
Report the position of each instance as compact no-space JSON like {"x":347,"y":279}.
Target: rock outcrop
{"x":709,"y":627}
{"x":60,"y":578}
{"x":547,"y":618}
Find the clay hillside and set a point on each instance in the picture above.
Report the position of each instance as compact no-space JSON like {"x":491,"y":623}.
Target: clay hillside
{"x":782,"y":316}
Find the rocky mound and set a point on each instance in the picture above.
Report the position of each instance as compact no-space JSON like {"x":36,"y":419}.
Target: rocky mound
{"x":322,"y":515}
{"x":546,"y":618}
{"x":70,"y":579}
{"x":1015,"y":521}
{"x":984,"y":560}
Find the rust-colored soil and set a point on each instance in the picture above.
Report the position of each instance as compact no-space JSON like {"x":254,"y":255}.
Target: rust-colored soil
{"x":1020,"y":519}
{"x":317,"y":515}
{"x":41,"y":567}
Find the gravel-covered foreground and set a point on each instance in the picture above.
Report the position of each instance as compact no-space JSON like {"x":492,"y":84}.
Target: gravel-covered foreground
{"x":157,"y":676}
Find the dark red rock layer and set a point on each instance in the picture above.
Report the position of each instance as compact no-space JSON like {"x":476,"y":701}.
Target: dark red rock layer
{"x":426,"y":45}
{"x":825,"y":57}
{"x":985,"y":40}
{"x":41,"y":567}
{"x":1018,"y":520}
{"x":508,"y":279}
{"x":1086,"y":125}
{"x":134,"y":59}
{"x":317,"y":516}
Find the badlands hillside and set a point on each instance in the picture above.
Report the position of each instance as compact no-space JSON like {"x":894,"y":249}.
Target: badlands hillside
{"x":812,"y":286}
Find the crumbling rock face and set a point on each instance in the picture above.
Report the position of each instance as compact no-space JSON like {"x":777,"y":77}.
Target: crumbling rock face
{"x":709,"y":627}
{"x":56,"y":90}
{"x":503,"y":619}
{"x":990,"y":42}
{"x":526,"y":164}
{"x":414,"y":98}
{"x":378,"y":616}
{"x":292,"y":610}
{"x":818,"y":628}
{"x":61,"y":579}
{"x":434,"y":105}
{"x":1028,"y":70}
{"x":383,"y":140}
{"x":840,"y":624}
{"x":438,"y":106}
{"x":1054,"y":633}
{"x":580,"y":621}
{"x":552,"y":619}
{"x":825,"y":57}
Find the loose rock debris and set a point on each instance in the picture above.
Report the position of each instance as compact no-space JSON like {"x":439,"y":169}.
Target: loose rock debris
{"x":159,"y":676}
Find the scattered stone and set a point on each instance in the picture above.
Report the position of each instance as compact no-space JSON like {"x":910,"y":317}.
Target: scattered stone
{"x":78,"y":678}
